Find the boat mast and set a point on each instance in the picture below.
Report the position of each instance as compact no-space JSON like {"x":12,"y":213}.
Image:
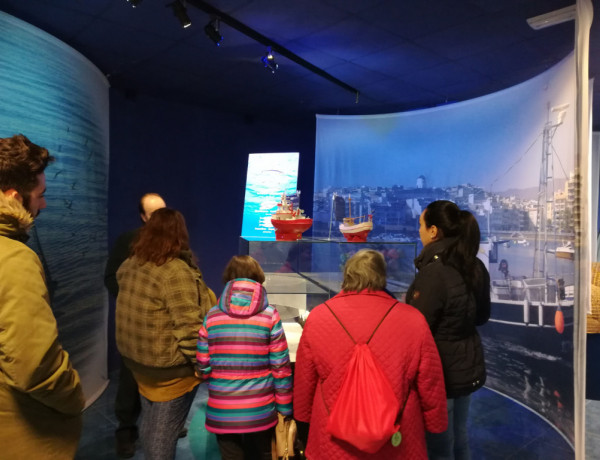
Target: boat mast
{"x":545,"y":196}
{"x":331,"y":214}
{"x":541,"y":235}
{"x":350,"y":208}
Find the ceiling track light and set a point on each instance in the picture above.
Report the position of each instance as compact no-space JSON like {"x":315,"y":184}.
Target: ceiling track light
{"x":180,"y":11}
{"x":281,"y":50}
{"x":212,"y":31}
{"x":269,"y":61}
{"x":134,"y":3}
{"x":552,"y":18}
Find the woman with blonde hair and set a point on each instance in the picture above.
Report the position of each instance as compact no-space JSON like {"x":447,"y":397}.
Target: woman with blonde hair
{"x":242,"y":351}
{"x":161,"y":302}
{"x":402,"y":345}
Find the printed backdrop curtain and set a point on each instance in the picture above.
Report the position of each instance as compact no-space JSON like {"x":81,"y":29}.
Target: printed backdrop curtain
{"x":509,"y":158}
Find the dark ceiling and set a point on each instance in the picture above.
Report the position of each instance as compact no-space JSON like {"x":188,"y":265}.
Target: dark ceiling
{"x":399,"y":54}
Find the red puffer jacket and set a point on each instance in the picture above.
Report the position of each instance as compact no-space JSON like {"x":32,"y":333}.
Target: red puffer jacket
{"x":404,"y":348}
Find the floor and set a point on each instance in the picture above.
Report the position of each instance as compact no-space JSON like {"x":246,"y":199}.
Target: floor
{"x":500,"y":429}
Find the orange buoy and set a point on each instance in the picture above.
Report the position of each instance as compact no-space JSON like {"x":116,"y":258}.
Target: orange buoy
{"x":559,"y":321}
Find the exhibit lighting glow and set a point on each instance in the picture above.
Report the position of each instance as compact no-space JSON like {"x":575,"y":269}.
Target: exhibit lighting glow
{"x":269,"y":61}
{"x":212,"y":31}
{"x":180,"y":12}
{"x":134,"y":3}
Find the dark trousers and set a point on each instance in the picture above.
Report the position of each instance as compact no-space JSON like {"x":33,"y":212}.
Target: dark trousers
{"x":246,"y":446}
{"x":452,"y":444}
{"x":127,"y":404}
{"x":161,"y":424}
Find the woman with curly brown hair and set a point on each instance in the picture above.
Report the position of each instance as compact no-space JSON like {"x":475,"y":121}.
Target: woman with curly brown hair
{"x":161,"y":303}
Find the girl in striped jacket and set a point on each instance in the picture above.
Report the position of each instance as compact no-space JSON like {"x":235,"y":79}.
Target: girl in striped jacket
{"x":243,"y":352}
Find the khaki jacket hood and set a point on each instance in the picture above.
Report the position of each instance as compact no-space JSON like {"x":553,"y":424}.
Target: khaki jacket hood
{"x":15,"y":220}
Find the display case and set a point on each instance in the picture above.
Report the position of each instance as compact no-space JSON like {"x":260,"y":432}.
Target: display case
{"x":302,"y":274}
{"x":309,"y":271}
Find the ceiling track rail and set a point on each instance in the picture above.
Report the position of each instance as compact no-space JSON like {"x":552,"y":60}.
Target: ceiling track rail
{"x":258,"y":37}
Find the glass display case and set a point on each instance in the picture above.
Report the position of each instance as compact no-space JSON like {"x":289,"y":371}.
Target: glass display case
{"x":299,"y":275}
{"x":304,"y":273}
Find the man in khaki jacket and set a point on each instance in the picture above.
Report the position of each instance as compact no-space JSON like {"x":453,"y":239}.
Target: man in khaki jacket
{"x":40,"y":393}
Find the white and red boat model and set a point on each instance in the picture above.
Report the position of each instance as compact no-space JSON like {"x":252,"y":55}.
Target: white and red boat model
{"x":289,"y":223}
{"x":356,"y":229}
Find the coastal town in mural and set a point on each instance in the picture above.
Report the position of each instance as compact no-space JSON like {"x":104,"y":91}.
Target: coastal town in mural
{"x":510,"y":215}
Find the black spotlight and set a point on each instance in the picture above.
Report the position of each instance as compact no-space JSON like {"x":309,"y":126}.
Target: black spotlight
{"x":134,"y":3}
{"x":181,"y":13}
{"x":212,"y":31}
{"x":269,"y":61}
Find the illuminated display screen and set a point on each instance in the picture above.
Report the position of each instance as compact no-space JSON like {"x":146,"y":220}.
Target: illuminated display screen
{"x":269,"y":175}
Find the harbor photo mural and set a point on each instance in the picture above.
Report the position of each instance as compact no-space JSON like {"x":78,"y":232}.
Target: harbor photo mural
{"x":59,"y":100}
{"x":508,"y":158}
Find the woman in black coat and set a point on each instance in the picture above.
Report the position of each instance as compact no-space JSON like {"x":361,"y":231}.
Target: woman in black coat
{"x":452,"y":290}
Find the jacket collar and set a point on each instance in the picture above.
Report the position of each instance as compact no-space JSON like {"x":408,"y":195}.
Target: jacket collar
{"x":384,"y":294}
{"x":15,"y":220}
{"x":433,"y":251}
{"x":188,"y":257}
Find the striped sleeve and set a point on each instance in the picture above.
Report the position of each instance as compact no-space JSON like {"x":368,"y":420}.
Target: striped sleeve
{"x":202,"y":356}
{"x":281,"y":370}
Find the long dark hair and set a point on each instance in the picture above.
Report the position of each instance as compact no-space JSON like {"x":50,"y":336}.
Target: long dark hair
{"x":454,"y":222}
{"x":162,"y":238}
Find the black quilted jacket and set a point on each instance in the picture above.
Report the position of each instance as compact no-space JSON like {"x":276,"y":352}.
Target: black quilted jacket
{"x":452,"y":311}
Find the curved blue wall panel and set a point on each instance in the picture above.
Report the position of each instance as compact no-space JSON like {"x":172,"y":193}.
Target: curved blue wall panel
{"x":57,"y":98}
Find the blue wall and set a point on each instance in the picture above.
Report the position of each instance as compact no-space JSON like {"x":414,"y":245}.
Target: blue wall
{"x":59,"y":100}
{"x":196,"y":159}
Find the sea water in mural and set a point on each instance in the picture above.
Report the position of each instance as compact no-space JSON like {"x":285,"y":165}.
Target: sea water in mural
{"x":269,"y":176}
{"x":59,"y":100}
{"x":508,"y":158}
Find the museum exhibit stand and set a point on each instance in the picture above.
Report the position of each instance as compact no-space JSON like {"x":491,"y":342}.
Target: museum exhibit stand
{"x":301,"y":274}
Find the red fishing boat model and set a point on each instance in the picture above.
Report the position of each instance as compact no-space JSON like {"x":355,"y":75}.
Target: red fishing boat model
{"x":289,"y":223}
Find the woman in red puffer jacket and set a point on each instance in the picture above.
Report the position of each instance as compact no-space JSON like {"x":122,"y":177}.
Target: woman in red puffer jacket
{"x":403,"y":346}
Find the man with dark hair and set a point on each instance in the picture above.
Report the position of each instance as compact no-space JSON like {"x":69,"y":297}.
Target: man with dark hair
{"x":40,"y":393}
{"x":127,"y":402}
{"x":22,"y":165}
